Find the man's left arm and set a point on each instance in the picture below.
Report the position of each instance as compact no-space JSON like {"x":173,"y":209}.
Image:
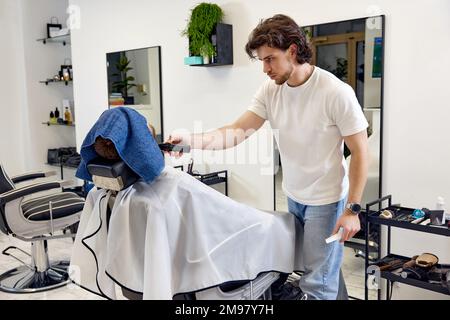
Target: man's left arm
{"x":357,"y":144}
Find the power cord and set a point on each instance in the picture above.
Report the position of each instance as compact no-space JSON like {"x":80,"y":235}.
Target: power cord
{"x":392,"y":289}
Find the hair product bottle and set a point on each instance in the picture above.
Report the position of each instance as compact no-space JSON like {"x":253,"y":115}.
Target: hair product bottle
{"x":68,"y":116}
{"x":52,"y":118}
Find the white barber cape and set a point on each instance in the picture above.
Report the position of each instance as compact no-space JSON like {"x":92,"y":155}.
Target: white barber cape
{"x":177,"y":235}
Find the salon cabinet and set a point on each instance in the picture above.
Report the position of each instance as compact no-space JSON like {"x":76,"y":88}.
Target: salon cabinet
{"x":373,"y":219}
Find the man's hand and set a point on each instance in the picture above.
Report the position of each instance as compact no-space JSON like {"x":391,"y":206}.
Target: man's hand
{"x":175,"y":138}
{"x":350,"y":224}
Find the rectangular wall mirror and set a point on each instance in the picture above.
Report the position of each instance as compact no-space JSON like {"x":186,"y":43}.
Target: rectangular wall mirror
{"x":353,"y":51}
{"x":134,"y":81}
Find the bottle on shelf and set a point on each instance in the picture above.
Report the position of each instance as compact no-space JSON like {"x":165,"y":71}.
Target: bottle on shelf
{"x":66,"y":75}
{"x":59,"y":120}
{"x":52,"y":118}
{"x":440,"y":205}
{"x":67,"y":116}
{"x":214,"y":43}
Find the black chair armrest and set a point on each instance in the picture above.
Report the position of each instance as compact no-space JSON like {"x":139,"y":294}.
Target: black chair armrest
{"x":30,"y":189}
{"x":32,"y":175}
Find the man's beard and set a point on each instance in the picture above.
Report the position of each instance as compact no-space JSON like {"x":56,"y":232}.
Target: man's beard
{"x":284,"y":77}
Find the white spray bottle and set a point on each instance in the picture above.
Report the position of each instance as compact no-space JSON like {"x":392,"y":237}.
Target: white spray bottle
{"x":440,"y":205}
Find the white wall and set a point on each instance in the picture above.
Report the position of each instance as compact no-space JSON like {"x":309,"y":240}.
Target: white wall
{"x":26,"y":103}
{"x":13,"y":111}
{"x":416,"y":138}
{"x":42,"y":62}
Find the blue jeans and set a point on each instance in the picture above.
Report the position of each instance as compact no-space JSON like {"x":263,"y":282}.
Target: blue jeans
{"x":322,"y":261}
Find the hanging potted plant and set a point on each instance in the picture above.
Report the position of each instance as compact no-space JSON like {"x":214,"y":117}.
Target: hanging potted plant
{"x":204,"y":18}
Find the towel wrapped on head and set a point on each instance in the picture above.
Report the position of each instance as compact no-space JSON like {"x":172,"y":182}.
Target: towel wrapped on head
{"x":122,"y":133}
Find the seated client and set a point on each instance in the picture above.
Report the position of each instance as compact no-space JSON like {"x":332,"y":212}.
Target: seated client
{"x":168,"y":233}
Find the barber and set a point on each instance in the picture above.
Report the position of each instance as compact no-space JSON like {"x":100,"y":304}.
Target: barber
{"x":314,"y":113}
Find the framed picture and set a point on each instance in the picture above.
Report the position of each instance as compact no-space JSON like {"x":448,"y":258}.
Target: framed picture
{"x":51,"y":28}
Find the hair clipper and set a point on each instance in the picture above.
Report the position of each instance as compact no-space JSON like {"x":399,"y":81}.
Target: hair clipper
{"x":174,"y":147}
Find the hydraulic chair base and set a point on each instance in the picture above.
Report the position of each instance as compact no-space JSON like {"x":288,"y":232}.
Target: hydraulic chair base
{"x":24,"y":279}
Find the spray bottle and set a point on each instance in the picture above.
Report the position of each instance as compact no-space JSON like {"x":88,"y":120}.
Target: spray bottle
{"x":440,"y":205}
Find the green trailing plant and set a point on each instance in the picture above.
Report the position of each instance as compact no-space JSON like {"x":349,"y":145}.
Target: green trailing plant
{"x":204,"y":18}
{"x":125,"y":82}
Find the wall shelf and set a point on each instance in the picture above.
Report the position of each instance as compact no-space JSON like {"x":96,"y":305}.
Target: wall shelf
{"x":223,"y":35}
{"x":55,"y":81}
{"x":64,"y":39}
{"x":59,"y":124}
{"x":61,"y":161}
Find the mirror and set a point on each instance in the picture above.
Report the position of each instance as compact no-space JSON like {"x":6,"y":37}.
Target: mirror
{"x":353,"y":51}
{"x":134,"y":80}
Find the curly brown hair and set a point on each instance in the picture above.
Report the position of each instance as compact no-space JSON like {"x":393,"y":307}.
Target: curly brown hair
{"x":105,"y":148}
{"x":280,"y":32}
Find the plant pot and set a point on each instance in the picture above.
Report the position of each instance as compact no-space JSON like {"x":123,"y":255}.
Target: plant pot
{"x":129,"y":100}
{"x":205,"y":59}
{"x":193,"y":60}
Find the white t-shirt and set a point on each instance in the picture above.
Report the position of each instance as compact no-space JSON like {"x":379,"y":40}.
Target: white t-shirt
{"x":312,"y":120}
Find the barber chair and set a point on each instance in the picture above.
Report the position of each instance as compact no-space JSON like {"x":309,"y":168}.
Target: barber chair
{"x":28,"y":215}
{"x":114,"y":176}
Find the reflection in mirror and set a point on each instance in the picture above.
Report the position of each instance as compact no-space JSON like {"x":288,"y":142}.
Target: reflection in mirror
{"x":134,"y":80}
{"x":353,"y":51}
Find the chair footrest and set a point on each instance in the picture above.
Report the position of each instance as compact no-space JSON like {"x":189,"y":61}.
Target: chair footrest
{"x":6,"y":253}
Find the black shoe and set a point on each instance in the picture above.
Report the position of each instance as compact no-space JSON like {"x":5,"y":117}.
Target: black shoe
{"x":289,"y":292}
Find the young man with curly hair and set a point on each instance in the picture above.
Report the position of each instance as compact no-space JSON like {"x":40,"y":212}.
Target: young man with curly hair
{"x":314,"y":113}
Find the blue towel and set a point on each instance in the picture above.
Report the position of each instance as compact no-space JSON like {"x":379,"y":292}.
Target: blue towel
{"x":134,"y":143}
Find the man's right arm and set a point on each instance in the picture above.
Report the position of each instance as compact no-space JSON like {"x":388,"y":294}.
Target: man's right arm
{"x":225,"y":137}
